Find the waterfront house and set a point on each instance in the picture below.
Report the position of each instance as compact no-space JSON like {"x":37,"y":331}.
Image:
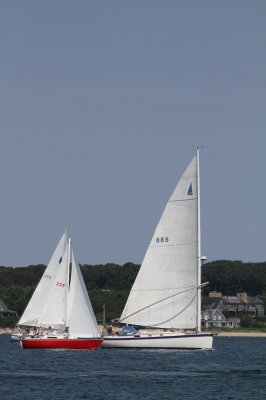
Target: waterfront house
{"x":212,"y":313}
{"x":243,"y":303}
{"x":5,"y":312}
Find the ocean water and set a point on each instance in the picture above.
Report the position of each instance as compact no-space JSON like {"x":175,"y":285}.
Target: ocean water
{"x":235,"y":369}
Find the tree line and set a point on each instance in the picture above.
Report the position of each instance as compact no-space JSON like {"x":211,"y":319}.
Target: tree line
{"x":110,"y":284}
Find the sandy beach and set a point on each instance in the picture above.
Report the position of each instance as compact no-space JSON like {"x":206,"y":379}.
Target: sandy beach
{"x":248,"y":334}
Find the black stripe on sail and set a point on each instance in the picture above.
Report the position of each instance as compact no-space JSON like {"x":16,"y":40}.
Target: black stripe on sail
{"x":190,"y":191}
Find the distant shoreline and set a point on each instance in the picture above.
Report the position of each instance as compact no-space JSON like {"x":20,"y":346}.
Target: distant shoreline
{"x":239,"y":334}
{"x":10,"y":331}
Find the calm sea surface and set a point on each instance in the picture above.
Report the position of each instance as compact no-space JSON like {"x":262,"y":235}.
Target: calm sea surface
{"x":235,"y":369}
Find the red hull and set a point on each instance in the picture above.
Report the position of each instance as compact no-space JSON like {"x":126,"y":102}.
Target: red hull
{"x":70,"y":344}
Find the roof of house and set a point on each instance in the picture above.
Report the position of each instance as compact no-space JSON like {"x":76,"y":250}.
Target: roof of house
{"x":237,"y":300}
{"x":3,"y":306}
{"x":211,"y":312}
{"x":210,"y":302}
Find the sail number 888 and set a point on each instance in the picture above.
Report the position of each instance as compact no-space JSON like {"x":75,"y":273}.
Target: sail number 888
{"x":162,"y":239}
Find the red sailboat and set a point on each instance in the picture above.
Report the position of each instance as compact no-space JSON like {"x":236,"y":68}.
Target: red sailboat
{"x":60,"y":313}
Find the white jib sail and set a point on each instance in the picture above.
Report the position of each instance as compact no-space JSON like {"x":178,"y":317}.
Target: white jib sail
{"x":81,"y":320}
{"x":34,"y":309}
{"x":164,"y":293}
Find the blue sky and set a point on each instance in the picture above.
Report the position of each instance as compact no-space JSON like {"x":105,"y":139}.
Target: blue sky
{"x":102,"y":104}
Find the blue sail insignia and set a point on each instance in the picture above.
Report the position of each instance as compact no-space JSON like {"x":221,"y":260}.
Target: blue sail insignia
{"x":190,"y":191}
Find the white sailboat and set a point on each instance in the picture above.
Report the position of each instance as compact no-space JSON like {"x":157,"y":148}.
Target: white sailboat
{"x":60,"y":311}
{"x":167,"y":291}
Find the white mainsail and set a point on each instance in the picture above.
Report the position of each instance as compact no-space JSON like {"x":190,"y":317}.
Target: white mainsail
{"x":164,"y":293}
{"x":35,"y":307}
{"x":54,"y":310}
{"x":80,"y":319}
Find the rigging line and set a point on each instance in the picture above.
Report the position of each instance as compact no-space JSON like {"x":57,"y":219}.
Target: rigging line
{"x":176,"y":201}
{"x":172,"y":288}
{"x":160,"y":301}
{"x":176,"y":315}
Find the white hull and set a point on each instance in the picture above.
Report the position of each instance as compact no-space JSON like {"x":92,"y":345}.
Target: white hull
{"x":169,"y":341}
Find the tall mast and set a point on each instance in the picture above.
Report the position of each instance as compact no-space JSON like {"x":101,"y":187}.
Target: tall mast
{"x":199,"y":249}
{"x":68,"y":279}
